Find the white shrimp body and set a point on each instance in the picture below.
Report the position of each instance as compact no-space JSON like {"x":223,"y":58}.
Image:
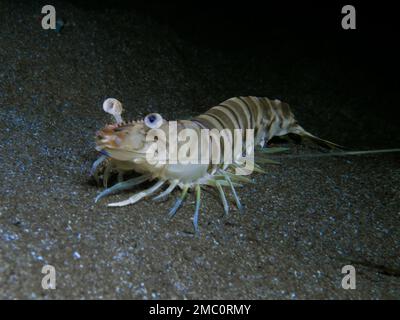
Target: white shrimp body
{"x":125,"y":146}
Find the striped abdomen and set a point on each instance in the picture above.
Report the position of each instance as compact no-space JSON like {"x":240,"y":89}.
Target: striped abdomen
{"x":267,"y":117}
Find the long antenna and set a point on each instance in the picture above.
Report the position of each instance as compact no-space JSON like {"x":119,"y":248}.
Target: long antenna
{"x":333,"y":154}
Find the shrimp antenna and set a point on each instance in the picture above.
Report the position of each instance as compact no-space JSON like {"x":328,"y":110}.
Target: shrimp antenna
{"x":341,"y":153}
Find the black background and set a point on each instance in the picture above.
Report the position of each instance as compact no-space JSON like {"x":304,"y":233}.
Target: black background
{"x":305,"y":28}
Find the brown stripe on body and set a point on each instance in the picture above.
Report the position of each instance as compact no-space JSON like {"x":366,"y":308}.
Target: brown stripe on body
{"x":213,"y":120}
{"x":210,"y":121}
{"x":204,"y":122}
{"x":235,"y":111}
{"x":278,"y":112}
{"x":225,"y":116}
{"x":243,"y":111}
{"x":261,"y":110}
{"x":286,"y":117}
{"x":201,"y":123}
{"x":228,"y":119}
{"x":268,"y":109}
{"x":250,"y":112}
{"x":257,"y":111}
{"x":286,"y":110}
{"x":254,"y":107}
{"x":269,"y":116}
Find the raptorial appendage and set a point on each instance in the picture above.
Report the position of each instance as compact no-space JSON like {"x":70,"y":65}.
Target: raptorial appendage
{"x":215,"y":149}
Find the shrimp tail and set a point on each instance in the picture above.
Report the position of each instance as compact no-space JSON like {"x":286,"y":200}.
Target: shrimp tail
{"x":321,"y":142}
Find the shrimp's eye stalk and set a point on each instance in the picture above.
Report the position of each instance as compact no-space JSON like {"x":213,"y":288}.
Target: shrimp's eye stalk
{"x":153,"y":120}
{"x":114,"y":107}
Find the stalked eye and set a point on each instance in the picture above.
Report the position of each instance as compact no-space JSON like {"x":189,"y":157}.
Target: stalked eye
{"x":153,"y":120}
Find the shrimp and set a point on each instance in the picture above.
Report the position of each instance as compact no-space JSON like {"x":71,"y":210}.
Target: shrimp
{"x":125,"y":147}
